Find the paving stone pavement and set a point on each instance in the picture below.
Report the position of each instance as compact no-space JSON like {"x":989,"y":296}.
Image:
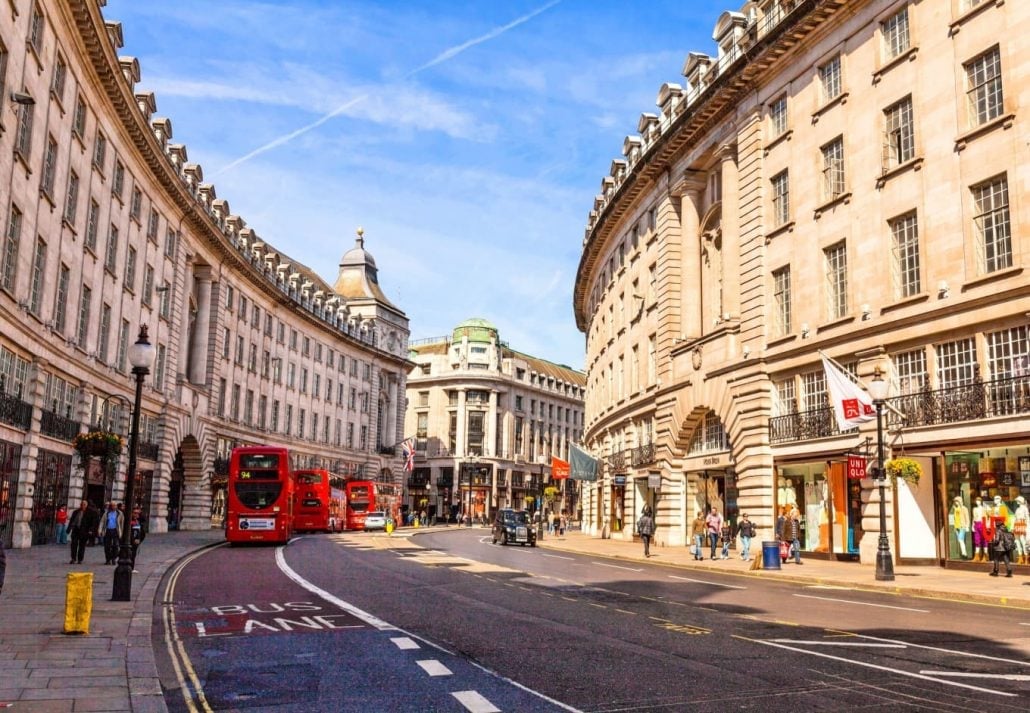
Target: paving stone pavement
{"x":112,"y":668}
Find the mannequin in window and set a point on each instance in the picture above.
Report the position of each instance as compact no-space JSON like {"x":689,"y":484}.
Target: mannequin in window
{"x":959,"y":518}
{"x":980,"y":541}
{"x":788,"y":495}
{"x":1019,"y":526}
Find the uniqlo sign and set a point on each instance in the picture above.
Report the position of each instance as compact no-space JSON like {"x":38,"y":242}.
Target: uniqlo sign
{"x":856,"y":467}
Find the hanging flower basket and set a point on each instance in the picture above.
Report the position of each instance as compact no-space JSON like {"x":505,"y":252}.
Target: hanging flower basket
{"x":550,"y":493}
{"x":104,"y":445}
{"x":903,"y":469}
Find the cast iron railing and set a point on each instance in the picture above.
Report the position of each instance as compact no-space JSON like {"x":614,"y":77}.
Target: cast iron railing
{"x":145,"y":449}
{"x":803,"y":425}
{"x":642,"y":455}
{"x":15,"y":412}
{"x":57,"y":426}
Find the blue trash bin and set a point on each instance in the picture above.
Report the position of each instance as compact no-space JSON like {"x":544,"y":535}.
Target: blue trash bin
{"x":770,"y":555}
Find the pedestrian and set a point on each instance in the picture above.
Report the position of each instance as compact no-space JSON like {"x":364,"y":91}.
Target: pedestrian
{"x":1003,"y":545}
{"x":791,"y":533}
{"x":746,"y":530}
{"x":713,"y":525}
{"x":726,"y":535}
{"x":645,"y":528}
{"x":562,"y":524}
{"x":698,"y":533}
{"x":137,"y":531}
{"x":61,"y":518}
{"x":111,"y":529}
{"x":81,"y":526}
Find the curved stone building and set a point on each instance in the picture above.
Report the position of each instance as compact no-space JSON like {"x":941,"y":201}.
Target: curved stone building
{"x":486,"y":420}
{"x":107,"y":226}
{"x":839,"y":176}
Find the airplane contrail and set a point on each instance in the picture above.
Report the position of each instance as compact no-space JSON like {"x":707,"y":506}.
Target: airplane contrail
{"x":440,"y":58}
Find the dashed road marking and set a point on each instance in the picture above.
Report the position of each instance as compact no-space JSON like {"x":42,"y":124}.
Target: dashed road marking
{"x":405,"y":643}
{"x":475,"y":703}
{"x":434,"y":667}
{"x":865,"y":604}
{"x":559,"y":557}
{"x":616,"y":566}
{"x":705,"y":581}
{"x":966,"y":674}
{"x":840,"y":643}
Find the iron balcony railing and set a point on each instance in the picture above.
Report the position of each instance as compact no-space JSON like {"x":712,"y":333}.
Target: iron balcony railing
{"x":804,"y":425}
{"x":418,"y":481}
{"x":15,"y":412}
{"x":57,"y":426}
{"x":642,"y":455}
{"x":147,"y":450}
{"x":221,"y":466}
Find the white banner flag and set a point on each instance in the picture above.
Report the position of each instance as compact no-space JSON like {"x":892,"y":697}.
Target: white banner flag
{"x":852,"y":404}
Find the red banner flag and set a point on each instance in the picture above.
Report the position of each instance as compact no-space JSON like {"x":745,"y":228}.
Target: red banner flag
{"x":559,"y":468}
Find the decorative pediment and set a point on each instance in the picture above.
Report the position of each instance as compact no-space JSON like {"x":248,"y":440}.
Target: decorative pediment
{"x":147,"y":104}
{"x":130,"y":70}
{"x":114,"y":34}
{"x":668,"y":97}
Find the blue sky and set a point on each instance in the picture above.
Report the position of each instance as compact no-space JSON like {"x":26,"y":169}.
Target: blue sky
{"x":467,"y":138}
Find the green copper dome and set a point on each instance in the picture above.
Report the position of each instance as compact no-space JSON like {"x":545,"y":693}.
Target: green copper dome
{"x":476,"y":329}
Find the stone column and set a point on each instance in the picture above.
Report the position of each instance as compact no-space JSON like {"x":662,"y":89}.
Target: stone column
{"x":490,"y":432}
{"x":34,"y":394}
{"x":691,"y":192}
{"x":460,"y":445}
{"x":201,"y":331}
{"x":730,"y":231}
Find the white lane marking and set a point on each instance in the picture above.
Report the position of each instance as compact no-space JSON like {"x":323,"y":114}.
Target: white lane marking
{"x":829,"y":586}
{"x":280,"y":560}
{"x":705,"y":581}
{"x":434,"y":667}
{"x":474,"y":702}
{"x":559,"y":557}
{"x":897,"y":671}
{"x":615,"y":566}
{"x":839,"y":643}
{"x":966,"y":674}
{"x":374,"y":621}
{"x":865,"y":604}
{"x":947,"y":651}
{"x":404,"y":643}
{"x":1024,"y":623}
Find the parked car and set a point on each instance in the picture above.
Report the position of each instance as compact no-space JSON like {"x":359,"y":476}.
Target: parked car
{"x":375,"y":520}
{"x":513,"y":527}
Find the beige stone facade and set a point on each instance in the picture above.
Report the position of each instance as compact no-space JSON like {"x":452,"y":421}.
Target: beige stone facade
{"x":485,"y":421}
{"x":108,"y":226}
{"x":848,"y":177}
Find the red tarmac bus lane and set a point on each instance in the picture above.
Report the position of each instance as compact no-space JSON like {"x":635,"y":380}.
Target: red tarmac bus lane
{"x":240,"y":591}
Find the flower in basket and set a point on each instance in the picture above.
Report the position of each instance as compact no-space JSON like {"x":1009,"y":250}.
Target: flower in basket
{"x":102,"y":444}
{"x":905,"y":469}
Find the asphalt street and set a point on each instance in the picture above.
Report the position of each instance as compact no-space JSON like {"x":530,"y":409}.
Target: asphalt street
{"x":314,"y":626}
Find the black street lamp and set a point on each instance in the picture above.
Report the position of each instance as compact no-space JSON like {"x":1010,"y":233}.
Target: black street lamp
{"x":884,"y":564}
{"x":540,"y":506}
{"x":141,"y":356}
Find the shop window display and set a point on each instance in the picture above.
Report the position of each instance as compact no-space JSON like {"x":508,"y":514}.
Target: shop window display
{"x":984,"y":491}
{"x":830,"y":505}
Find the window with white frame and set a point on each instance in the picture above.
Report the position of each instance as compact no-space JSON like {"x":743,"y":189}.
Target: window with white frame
{"x":14,"y":372}
{"x":709,"y":436}
{"x":813,"y":386}
{"x":111,"y":257}
{"x":778,"y":116}
{"x":956,"y":363}
{"x":910,"y":376}
{"x":899,"y":134}
{"x":652,"y":360}
{"x":103,"y":338}
{"x":130,"y":269}
{"x":61,"y":299}
{"x":833,"y":168}
{"x":46,"y":183}
{"x":781,"y":300}
{"x":895,"y":34}
{"x":905,"y":250}
{"x":991,"y":222}
{"x":92,"y":226}
{"x":123,"y":346}
{"x":12,"y":243}
{"x":36,"y":281}
{"x":829,"y":79}
{"x":1007,"y":351}
{"x":836,"y":259}
{"x":71,"y":200}
{"x":781,"y":198}
{"x":85,"y":305}
{"x":785,"y":397}
{"x":983,"y":87}
{"x":23,"y":137}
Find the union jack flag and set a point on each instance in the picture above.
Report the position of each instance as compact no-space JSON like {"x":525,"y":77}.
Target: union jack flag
{"x":408,"y":451}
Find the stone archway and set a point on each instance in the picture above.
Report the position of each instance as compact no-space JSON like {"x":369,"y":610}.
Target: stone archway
{"x":195,"y":499}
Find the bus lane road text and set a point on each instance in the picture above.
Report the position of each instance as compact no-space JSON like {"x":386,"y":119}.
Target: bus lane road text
{"x":268,"y":618}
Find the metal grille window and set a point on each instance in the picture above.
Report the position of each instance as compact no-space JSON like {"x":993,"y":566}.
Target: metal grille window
{"x":710,"y":436}
{"x":1007,"y":352}
{"x":836,"y":258}
{"x":910,"y":372}
{"x":899,"y":134}
{"x":813,"y":386}
{"x":778,"y":116}
{"x":994,"y":236}
{"x":84,"y":308}
{"x":786,"y":397}
{"x":36,"y":283}
{"x":905,"y":248}
{"x":895,"y":34}
{"x":71,"y":201}
{"x":829,"y":79}
{"x":833,"y":168}
{"x":781,"y":300}
{"x":781,"y":198}
{"x":92,"y":226}
{"x":61,"y":299}
{"x":11,"y":245}
{"x":956,"y":363}
{"x":983,"y":87}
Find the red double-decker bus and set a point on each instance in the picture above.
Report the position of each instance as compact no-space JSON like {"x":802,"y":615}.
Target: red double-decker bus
{"x":318,"y":501}
{"x":365,"y":496}
{"x":259,"y":507}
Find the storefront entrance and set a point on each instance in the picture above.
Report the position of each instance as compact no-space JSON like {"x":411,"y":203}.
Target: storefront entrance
{"x":829,"y":506}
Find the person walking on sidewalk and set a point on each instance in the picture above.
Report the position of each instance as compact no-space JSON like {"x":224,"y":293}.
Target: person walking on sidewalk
{"x":645,"y":527}
{"x":697,"y":531}
{"x":82,"y":525}
{"x":137,"y":531}
{"x":746,"y":530}
{"x":111,"y":529}
{"x":713,"y":524}
{"x":61,"y":518}
{"x":791,"y":533}
{"x":726,"y":535}
{"x":1003,"y":545}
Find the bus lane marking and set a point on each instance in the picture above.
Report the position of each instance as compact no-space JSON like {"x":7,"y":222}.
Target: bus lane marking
{"x":235,"y":619}
{"x":434,"y":667}
{"x":475,"y":702}
{"x":405,"y":643}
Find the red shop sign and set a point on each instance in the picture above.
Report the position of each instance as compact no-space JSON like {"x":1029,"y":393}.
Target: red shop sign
{"x":856,"y":467}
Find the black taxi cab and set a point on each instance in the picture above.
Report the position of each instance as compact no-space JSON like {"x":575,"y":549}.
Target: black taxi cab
{"x":513,"y":527}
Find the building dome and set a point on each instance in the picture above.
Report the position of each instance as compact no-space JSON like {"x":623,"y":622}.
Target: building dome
{"x":357,"y":256}
{"x":476,"y":329}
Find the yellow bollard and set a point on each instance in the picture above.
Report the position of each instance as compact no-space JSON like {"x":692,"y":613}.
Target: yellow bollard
{"x":389,"y":528}
{"x":78,"y":602}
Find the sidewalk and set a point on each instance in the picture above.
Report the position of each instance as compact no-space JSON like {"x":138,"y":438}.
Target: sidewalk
{"x":43,"y":669}
{"x":923,"y":581}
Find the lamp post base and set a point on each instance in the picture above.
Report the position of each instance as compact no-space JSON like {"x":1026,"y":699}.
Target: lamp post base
{"x":884,"y":565}
{"x":122,"y":591}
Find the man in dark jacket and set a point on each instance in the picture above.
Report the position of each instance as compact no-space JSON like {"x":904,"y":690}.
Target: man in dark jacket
{"x":645,"y":528}
{"x":81,"y":526}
